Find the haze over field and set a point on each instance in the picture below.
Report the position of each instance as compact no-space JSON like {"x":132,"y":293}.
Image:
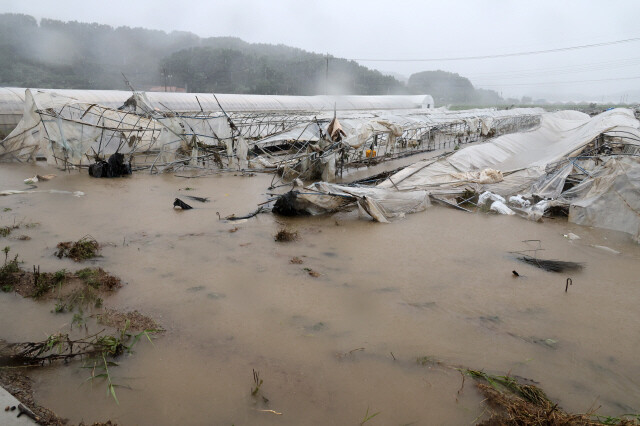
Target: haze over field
{"x":416,"y":30}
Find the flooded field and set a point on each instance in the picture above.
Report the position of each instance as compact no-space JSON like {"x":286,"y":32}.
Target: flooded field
{"x":335,"y":338}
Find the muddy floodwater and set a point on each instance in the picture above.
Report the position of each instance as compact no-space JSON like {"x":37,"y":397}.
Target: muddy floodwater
{"x":328,"y":347}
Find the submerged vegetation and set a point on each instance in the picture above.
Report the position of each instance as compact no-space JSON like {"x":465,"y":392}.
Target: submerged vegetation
{"x":95,"y":349}
{"x":552,"y":265}
{"x":131,"y":320}
{"x":284,"y":235}
{"x":71,"y":291}
{"x":512,"y":402}
{"x":5,"y":231}
{"x":8,"y":269}
{"x":84,"y":248}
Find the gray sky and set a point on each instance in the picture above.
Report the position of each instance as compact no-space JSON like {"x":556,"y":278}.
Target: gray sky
{"x":383,"y":29}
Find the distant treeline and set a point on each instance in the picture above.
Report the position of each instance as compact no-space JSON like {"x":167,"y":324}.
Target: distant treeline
{"x":56,"y":54}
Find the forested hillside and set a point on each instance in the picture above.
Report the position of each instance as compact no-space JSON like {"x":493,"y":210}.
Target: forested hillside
{"x":56,"y":54}
{"x":449,"y":88}
{"x":92,"y":56}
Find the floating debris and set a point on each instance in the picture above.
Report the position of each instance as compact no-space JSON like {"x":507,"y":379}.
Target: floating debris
{"x":85,"y":248}
{"x":200,"y":199}
{"x":178,"y":204}
{"x":312,"y":273}
{"x":518,"y":401}
{"x":285,"y":235}
{"x":115,"y":166}
{"x":552,"y":265}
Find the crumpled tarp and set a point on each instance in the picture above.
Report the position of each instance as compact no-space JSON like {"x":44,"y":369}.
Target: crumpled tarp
{"x":522,"y":157}
{"x":610,"y":199}
{"x":380,"y":204}
{"x":69,"y":131}
{"x":537,"y":162}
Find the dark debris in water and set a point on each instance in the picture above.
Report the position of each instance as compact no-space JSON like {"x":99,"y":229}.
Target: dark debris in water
{"x":421,"y":305}
{"x":179,"y":204}
{"x":312,"y":273}
{"x":552,"y":265}
{"x":214,"y":295}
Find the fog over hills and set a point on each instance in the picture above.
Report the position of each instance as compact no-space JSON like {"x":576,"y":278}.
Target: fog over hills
{"x":56,"y":54}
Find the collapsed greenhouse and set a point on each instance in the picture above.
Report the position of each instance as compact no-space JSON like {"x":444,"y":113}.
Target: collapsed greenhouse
{"x":296,"y":136}
{"x":532,"y":163}
{"x":587,"y":168}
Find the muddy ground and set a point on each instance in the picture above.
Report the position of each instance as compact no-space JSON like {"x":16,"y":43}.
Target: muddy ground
{"x":330,"y":346}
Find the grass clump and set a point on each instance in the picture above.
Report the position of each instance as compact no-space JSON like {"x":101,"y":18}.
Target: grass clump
{"x":368,"y":416}
{"x":5,"y":231}
{"x":94,"y":283}
{"x":98,"y":348}
{"x":84,"y":248}
{"x":427,"y":360}
{"x":131,"y":320}
{"x":42,"y":286}
{"x":89,"y":276}
{"x":81,"y":289}
{"x":46,"y":281}
{"x":285,"y":235}
{"x":513,"y":402}
{"x":79,"y":298}
{"x":257,"y":382}
{"x":7,"y":271}
{"x":528,"y":392}
{"x":98,"y":279}
{"x":60,"y":275}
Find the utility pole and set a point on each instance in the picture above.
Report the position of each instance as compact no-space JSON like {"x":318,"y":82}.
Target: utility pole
{"x":164,"y":72}
{"x":326,"y":77}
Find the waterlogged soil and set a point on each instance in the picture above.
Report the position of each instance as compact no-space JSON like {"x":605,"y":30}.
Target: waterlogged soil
{"x":335,"y":346}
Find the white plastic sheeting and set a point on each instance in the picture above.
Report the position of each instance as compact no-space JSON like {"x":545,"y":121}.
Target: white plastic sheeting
{"x":12,"y":102}
{"x":522,"y":158}
{"x":361,"y":126}
{"x":70,"y":131}
{"x":538,"y":161}
{"x":380,"y":204}
{"x":372,"y":137}
{"x":610,"y":199}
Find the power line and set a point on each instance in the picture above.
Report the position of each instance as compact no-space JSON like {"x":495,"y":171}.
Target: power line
{"x":504,"y":55}
{"x":594,"y":66}
{"x":559,"y":82}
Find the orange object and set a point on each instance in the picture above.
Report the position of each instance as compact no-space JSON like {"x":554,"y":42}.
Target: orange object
{"x":370,"y":154}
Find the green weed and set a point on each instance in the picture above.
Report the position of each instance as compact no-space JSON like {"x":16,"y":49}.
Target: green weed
{"x":5,"y":231}
{"x":368,"y":417}
{"x":84,"y":248}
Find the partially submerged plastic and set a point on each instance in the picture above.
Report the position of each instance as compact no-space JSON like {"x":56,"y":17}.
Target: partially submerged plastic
{"x":323,"y":197}
{"x":309,"y":144}
{"x":522,"y":167}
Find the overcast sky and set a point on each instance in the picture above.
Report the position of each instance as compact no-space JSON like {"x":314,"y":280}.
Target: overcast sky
{"x":375,"y":29}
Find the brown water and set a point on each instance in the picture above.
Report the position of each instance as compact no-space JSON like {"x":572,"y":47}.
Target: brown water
{"x":437,"y":283}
